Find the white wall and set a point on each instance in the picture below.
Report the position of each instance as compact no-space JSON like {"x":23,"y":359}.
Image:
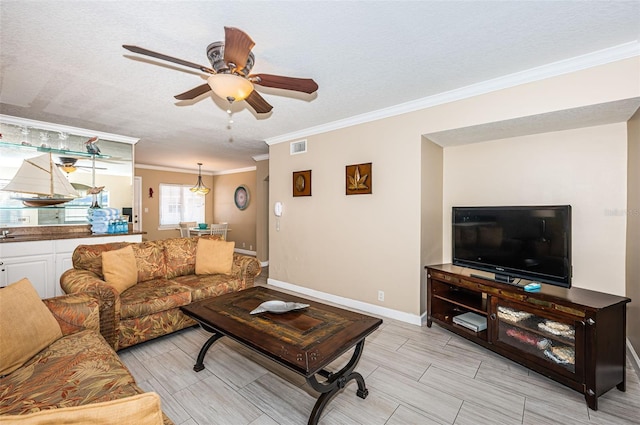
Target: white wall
{"x":585,"y":168}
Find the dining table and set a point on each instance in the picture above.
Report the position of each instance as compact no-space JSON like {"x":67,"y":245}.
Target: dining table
{"x":196,"y":231}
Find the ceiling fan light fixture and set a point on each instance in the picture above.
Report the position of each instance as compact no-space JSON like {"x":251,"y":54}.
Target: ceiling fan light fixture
{"x":231,"y":87}
{"x":68,"y":168}
{"x":200,"y":187}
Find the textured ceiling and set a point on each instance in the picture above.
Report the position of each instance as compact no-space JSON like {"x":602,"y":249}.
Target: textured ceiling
{"x":62,"y":62}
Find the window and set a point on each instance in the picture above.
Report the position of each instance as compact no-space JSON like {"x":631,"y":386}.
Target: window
{"x":178,"y":203}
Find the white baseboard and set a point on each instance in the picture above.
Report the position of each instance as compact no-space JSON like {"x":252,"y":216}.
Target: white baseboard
{"x":354,"y":304}
{"x":635,"y":360}
{"x":264,"y":263}
{"x":245,"y":252}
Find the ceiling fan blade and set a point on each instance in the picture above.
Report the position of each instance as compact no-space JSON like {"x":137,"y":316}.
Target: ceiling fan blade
{"x":193,"y":93}
{"x":237,"y":46}
{"x":142,"y":51}
{"x":305,"y":85}
{"x":258,"y":103}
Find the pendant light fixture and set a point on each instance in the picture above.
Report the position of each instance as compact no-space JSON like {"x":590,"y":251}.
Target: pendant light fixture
{"x":200,"y":187}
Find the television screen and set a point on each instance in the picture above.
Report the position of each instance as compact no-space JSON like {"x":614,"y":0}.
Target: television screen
{"x":526,"y":242}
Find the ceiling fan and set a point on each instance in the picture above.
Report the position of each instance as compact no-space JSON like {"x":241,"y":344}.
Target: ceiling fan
{"x":68,"y":164}
{"x":230,"y":79}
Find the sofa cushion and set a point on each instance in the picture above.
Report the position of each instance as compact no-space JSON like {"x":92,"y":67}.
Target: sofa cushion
{"x":119,"y":268}
{"x":76,"y":369}
{"x":206,"y":286}
{"x":26,"y":325}
{"x":141,"y":409}
{"x":214,"y":256}
{"x":150,"y":260}
{"x":89,"y":257}
{"x":153,"y":296}
{"x":180,"y":256}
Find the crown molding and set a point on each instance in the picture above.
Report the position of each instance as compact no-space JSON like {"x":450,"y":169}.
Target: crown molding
{"x":189,"y":171}
{"x":76,"y":131}
{"x":261,"y":157}
{"x":171,"y":169}
{"x":236,"y":171}
{"x":578,"y":63}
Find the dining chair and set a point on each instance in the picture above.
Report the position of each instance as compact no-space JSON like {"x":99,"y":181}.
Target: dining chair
{"x":184,"y":228}
{"x":219,"y":229}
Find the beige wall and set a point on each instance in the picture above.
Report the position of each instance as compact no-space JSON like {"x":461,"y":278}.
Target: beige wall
{"x":241,"y":222}
{"x":262,"y":210}
{"x":350,"y":246}
{"x":585,"y":168}
{"x":151,"y":206}
{"x":432,"y":211}
{"x":353,"y":246}
{"x":633,"y":232}
{"x":219,"y":205}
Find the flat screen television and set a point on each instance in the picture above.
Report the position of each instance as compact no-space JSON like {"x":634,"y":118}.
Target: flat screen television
{"x":526,"y":242}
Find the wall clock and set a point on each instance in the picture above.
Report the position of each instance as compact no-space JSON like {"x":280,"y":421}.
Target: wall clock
{"x":241,"y":197}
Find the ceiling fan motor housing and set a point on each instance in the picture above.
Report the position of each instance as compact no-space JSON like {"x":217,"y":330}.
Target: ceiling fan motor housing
{"x":215,"y":53}
{"x":67,"y":161}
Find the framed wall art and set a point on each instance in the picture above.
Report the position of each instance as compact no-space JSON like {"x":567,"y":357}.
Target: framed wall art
{"x":302,"y":183}
{"x":358,"y":179}
{"x":241,"y":197}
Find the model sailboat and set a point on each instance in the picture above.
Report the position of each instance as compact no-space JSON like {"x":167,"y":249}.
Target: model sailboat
{"x":41,"y":176}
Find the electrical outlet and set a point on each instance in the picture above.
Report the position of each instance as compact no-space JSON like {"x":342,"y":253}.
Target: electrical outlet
{"x":243,"y":245}
{"x":250,"y":247}
{"x":380,"y":295}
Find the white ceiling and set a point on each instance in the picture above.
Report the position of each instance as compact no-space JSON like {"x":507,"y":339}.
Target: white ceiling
{"x":62,"y":62}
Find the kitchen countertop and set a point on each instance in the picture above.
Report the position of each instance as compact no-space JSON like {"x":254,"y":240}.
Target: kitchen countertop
{"x":45,"y":233}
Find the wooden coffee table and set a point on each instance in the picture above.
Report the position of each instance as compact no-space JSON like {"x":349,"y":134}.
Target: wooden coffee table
{"x":305,"y":341}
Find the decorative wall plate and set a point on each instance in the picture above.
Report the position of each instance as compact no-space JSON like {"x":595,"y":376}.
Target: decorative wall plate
{"x":302,"y":183}
{"x":241,"y":197}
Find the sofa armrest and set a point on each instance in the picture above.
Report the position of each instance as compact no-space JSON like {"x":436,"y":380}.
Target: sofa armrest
{"x":75,"y":312}
{"x":75,"y":281}
{"x":246,"y":268}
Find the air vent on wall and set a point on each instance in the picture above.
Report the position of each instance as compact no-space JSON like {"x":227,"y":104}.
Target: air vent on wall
{"x":298,"y":147}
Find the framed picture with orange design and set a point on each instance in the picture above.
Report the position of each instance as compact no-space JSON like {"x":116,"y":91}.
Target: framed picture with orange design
{"x":302,"y":183}
{"x":358,"y":179}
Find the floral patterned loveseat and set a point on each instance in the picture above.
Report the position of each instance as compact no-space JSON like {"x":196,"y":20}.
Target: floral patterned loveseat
{"x":71,"y":376}
{"x":166,"y":281}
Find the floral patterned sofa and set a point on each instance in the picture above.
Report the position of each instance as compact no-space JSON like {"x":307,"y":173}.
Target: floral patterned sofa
{"x":64,"y":371}
{"x":167,"y":279}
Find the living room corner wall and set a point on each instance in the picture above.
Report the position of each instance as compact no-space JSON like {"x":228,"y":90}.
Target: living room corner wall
{"x":353,"y":246}
{"x":432,"y":168}
{"x":633,"y":232}
{"x":241,"y":222}
{"x":262,"y":213}
{"x":585,"y":168}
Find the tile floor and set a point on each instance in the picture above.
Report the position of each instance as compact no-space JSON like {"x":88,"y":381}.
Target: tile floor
{"x":415,"y":375}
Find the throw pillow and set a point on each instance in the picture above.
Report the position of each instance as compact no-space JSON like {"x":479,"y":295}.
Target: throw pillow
{"x":214,"y":256}
{"x":26,"y":325}
{"x":119,"y":268}
{"x":141,"y":409}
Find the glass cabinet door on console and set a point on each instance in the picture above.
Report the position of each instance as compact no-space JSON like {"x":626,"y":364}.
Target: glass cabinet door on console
{"x":544,"y":338}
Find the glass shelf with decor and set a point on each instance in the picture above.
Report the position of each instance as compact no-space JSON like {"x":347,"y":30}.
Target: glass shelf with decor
{"x":89,"y":161}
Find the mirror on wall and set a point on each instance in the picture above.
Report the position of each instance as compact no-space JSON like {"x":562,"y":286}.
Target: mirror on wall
{"x":110,"y":165}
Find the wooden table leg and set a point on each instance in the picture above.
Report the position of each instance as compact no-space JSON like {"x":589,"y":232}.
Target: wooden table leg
{"x":203,"y":351}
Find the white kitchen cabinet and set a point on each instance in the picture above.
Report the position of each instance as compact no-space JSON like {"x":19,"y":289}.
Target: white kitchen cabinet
{"x":43,"y":262}
{"x":32,"y":260}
